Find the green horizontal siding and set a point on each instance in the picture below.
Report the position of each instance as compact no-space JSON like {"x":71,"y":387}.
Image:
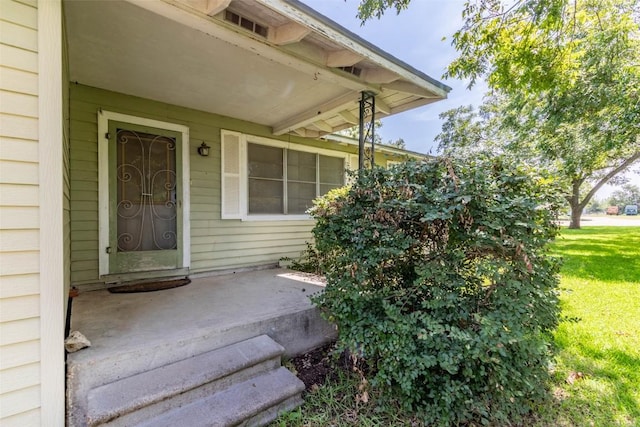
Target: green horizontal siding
{"x":215,"y":244}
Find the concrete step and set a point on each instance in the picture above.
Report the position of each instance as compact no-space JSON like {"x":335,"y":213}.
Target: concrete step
{"x":298,"y":331}
{"x":134,"y":399}
{"x":254,"y":402}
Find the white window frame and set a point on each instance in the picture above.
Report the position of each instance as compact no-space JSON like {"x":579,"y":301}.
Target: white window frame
{"x":244,"y":140}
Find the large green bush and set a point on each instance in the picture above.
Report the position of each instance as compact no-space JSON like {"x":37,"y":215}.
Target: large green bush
{"x":440,"y":279}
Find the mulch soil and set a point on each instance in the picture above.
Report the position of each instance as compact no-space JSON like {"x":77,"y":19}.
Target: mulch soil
{"x":313,"y":368}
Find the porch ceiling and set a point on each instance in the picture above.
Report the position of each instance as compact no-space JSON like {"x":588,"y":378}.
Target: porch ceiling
{"x":185,"y":53}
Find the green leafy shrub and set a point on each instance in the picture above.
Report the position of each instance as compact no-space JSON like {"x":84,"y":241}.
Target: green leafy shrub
{"x":308,"y":262}
{"x":440,"y":279}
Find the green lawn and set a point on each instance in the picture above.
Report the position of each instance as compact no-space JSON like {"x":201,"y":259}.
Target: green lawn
{"x":601,"y":296}
{"x":597,"y":372}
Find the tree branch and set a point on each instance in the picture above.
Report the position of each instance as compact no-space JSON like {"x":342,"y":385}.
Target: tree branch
{"x":628,"y":162}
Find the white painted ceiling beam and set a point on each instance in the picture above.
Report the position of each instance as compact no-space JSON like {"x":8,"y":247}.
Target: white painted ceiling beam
{"x":288,"y":33}
{"x":382,"y":106}
{"x":349,"y":117}
{"x":321,"y":112}
{"x":216,"y":6}
{"x":379,"y":75}
{"x":343,"y":58}
{"x":323,"y":126}
{"x":221,"y":30}
{"x":309,"y":133}
{"x":208,"y":7}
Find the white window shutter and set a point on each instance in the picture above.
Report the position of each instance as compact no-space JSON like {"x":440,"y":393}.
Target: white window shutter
{"x":232,"y":167}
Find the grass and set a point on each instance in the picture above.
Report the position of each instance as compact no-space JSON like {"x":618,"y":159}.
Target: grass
{"x":596,"y":379}
{"x":601,"y":295}
{"x":336,"y":404}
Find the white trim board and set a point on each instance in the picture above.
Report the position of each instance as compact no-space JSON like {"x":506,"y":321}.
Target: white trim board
{"x":103,"y":182}
{"x":51,"y":173}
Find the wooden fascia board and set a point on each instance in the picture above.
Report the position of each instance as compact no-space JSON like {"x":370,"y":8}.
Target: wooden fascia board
{"x":295,"y":14}
{"x":194,"y":18}
{"x":410,"y":88}
{"x":320,"y":112}
{"x":413,"y":104}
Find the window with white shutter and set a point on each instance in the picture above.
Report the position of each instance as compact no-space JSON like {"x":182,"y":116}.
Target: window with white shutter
{"x":233,"y":192}
{"x":265,"y":179}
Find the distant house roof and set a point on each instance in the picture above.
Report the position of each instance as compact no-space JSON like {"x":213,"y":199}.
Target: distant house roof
{"x":390,"y":149}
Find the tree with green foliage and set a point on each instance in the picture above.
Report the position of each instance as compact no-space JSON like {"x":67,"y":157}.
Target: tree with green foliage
{"x":629,"y":194}
{"x":467,"y":132}
{"x":595,"y":206}
{"x":439,"y":279}
{"x":567,"y":77}
{"x":398,"y":143}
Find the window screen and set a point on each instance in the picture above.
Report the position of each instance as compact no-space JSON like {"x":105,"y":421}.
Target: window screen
{"x":286,"y":181}
{"x":266,"y":179}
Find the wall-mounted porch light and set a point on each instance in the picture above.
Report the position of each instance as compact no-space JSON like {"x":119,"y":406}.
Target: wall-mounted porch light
{"x":203,"y":150}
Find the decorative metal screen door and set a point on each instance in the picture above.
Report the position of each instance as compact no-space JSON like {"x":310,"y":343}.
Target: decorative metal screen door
{"x":145,"y":209}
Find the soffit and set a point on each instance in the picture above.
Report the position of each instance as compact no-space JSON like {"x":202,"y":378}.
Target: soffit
{"x":174,"y":52}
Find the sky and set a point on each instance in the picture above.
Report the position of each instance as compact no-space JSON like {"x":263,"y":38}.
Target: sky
{"x":415,"y":36}
{"x":420,"y":36}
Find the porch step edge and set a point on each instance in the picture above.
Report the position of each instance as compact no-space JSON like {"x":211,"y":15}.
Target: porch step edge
{"x":254,"y":402}
{"x":118,"y":398}
{"x":268,"y":415}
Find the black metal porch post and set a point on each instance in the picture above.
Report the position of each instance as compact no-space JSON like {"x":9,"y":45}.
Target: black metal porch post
{"x":366,"y":130}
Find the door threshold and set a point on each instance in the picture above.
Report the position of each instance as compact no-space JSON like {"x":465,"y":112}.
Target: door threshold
{"x":140,"y":276}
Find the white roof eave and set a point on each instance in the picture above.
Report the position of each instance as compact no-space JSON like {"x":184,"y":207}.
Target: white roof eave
{"x":311,"y":122}
{"x":304,"y":15}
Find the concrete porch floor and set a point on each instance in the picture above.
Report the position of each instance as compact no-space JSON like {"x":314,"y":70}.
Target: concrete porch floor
{"x":208,"y":308}
{"x":139,"y":335}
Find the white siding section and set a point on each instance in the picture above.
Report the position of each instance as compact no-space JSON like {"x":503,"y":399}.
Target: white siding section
{"x":49,"y":395}
{"x":25,"y":33}
{"x":19,"y":216}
